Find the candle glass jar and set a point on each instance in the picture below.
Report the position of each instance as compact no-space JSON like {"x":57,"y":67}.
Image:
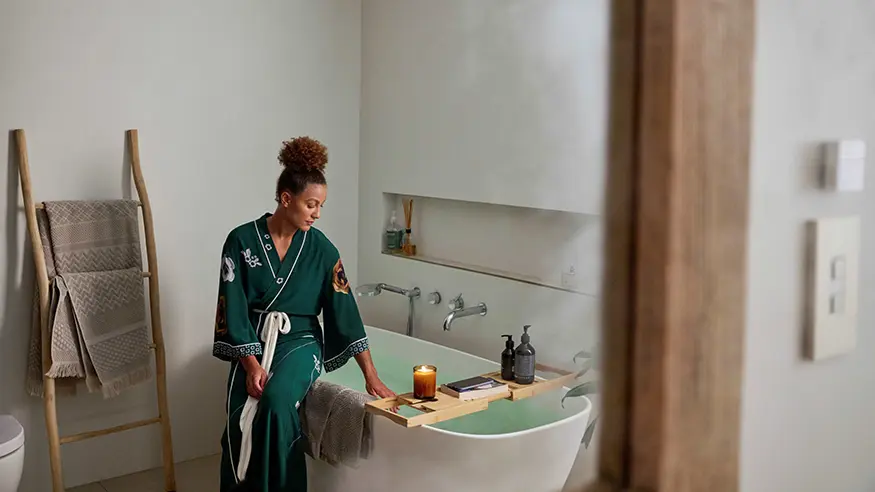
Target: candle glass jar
{"x":424,"y":382}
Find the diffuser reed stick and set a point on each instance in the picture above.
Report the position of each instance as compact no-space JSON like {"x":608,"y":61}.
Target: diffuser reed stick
{"x":409,"y":248}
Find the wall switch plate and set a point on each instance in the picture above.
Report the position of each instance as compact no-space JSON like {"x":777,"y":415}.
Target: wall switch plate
{"x":833,"y":277}
{"x":845,"y":163}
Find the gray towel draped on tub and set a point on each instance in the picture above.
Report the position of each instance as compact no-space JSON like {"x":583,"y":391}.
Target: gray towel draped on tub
{"x":335,"y":424}
{"x":97,"y":329}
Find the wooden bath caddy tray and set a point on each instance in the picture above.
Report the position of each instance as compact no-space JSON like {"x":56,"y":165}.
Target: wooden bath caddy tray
{"x":447,"y":407}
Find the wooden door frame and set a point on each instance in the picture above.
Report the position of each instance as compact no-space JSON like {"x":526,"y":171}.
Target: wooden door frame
{"x":676,"y":245}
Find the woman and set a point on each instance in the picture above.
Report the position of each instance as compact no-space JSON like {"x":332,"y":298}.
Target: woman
{"x":278,"y":274}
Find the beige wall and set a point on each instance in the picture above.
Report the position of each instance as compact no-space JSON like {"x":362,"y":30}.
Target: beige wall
{"x":807,"y":427}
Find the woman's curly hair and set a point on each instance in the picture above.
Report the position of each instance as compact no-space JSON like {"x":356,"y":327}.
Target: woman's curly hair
{"x":303,"y":160}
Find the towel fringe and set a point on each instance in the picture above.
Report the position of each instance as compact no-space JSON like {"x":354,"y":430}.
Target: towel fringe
{"x":66,"y":370}
{"x":114,"y":387}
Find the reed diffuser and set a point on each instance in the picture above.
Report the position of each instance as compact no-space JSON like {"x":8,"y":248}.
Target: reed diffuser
{"x":408,"y":247}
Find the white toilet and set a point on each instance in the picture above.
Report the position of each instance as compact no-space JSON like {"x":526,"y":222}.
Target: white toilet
{"x":11,"y":453}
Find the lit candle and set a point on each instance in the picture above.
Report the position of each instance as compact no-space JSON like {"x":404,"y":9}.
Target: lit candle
{"x":424,"y":382}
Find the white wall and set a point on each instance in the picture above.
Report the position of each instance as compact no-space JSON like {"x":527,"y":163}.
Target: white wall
{"x":498,"y":101}
{"x":807,"y":427}
{"x":214,"y":87}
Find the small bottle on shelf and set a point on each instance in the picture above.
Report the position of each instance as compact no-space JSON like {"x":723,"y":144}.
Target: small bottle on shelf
{"x":393,"y":235}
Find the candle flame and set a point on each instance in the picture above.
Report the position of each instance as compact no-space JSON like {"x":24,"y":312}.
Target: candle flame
{"x":424,"y":369}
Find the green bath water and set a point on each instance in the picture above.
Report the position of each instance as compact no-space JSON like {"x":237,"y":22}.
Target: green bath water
{"x":501,"y":417}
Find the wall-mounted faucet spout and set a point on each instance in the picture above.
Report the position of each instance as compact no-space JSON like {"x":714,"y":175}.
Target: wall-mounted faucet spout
{"x":461,"y":313}
{"x":371,"y":290}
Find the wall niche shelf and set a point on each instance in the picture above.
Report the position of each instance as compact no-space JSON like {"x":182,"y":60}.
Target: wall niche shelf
{"x":553,"y":249}
{"x":520,"y":206}
{"x":492,"y":272}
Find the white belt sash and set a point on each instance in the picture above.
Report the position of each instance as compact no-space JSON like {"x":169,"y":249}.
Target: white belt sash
{"x":275,"y":324}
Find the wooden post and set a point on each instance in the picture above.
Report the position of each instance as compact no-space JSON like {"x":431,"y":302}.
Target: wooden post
{"x":155,"y":313}
{"x":690,"y":271}
{"x":674,"y":307}
{"x":618,"y":253}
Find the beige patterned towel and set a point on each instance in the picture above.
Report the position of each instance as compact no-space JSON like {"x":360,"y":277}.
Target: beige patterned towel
{"x":335,"y":424}
{"x":97,"y":317}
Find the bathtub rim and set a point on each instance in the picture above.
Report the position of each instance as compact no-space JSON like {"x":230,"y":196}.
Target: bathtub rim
{"x":585,"y":410}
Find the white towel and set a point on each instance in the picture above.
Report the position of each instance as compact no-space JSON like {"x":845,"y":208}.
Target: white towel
{"x":275,"y":324}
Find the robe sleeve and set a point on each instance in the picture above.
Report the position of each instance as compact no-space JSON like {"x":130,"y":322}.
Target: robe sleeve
{"x":344,"y":332}
{"x":234,"y":335}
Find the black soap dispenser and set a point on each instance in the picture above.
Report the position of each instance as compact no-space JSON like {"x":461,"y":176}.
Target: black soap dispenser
{"x":507,"y":357}
{"x":524,"y":360}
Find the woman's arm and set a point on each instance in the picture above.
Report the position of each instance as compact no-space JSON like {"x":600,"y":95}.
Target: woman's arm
{"x":372,"y":382}
{"x":234,"y":337}
{"x":344,"y":332}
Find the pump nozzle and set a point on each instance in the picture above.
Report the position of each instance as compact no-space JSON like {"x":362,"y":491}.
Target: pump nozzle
{"x":509,"y":342}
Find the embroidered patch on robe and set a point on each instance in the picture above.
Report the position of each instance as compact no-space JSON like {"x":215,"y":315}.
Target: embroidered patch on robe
{"x":341,"y":284}
{"x":227,"y":269}
{"x":252,"y":260}
{"x":221,"y":318}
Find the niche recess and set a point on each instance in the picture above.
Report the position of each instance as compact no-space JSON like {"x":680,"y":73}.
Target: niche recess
{"x":548,"y":248}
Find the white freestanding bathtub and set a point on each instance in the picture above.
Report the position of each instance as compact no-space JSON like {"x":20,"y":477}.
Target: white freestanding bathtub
{"x":528,"y":445}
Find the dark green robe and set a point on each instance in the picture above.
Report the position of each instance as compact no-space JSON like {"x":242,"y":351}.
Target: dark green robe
{"x":253,"y":282}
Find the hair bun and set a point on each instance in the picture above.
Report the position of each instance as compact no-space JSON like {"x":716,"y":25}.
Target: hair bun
{"x":303,"y":154}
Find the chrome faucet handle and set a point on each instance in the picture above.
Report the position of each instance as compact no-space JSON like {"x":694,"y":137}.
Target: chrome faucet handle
{"x":434,"y":298}
{"x":457,"y":303}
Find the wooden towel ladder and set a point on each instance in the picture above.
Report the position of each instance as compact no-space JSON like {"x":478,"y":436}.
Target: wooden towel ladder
{"x":49,"y":398}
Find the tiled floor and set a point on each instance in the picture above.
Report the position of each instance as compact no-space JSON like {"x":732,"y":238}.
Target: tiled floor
{"x":200,"y":475}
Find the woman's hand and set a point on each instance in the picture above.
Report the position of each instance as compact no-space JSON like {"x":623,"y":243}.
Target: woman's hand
{"x":376,"y":388}
{"x":256,"y":377}
{"x":373,"y":385}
